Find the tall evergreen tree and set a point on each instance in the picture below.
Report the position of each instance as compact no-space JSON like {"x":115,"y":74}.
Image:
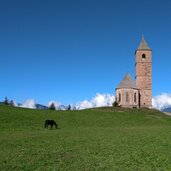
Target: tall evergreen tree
{"x":69,"y":107}
{"x":52,"y":106}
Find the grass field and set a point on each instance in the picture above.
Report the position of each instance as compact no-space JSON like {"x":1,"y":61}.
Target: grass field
{"x":97,"y":139}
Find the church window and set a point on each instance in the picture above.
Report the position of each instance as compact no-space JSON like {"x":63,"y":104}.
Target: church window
{"x":119,"y":97}
{"x":135,"y":97}
{"x":143,"y":57}
{"x":127,"y":97}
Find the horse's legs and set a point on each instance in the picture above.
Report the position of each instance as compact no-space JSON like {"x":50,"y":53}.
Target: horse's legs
{"x":54,"y":123}
{"x":51,"y":126}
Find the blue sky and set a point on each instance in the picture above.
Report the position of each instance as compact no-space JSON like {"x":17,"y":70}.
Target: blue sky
{"x":68,"y":51}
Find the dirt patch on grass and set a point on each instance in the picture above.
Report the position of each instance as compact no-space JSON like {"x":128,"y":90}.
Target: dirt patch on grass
{"x":167,"y":113}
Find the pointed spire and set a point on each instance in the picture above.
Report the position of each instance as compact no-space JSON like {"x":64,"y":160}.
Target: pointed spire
{"x":127,"y":77}
{"x":143,"y":45}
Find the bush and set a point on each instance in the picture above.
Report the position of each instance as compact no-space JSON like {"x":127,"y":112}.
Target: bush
{"x":115,"y":104}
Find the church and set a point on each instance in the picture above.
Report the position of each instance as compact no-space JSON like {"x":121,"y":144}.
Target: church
{"x":137,"y":93}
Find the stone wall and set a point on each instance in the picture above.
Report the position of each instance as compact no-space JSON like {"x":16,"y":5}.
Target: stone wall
{"x":128,"y":97}
{"x":144,"y":77}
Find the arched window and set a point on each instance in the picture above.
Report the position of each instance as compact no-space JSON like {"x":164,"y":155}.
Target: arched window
{"x":143,"y":57}
{"x":127,"y":97}
{"x":135,"y":97}
{"x":119,"y":97}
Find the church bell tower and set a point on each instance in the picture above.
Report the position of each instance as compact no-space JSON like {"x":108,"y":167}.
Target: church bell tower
{"x":144,"y":73}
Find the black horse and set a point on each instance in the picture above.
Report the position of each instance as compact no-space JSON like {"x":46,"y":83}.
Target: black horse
{"x":51,"y":123}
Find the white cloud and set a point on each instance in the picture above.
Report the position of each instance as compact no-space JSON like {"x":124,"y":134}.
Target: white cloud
{"x":99,"y":100}
{"x":84,"y":105}
{"x":15,"y":104}
{"x":162,"y":101}
{"x":29,"y":103}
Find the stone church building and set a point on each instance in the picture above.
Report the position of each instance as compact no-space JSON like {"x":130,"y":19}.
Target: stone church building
{"x":137,"y":93}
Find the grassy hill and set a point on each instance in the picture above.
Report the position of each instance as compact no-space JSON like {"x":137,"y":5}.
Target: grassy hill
{"x":95,"y":139}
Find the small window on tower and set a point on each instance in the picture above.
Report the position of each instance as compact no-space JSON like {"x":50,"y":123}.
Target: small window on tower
{"x":143,"y":57}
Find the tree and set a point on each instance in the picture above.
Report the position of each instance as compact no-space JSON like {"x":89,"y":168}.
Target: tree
{"x":11,"y":103}
{"x":115,"y":104}
{"x":6,"y":101}
{"x":52,"y":106}
{"x":69,"y":107}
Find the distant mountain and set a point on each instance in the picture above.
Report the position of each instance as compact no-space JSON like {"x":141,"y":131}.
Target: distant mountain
{"x":168,"y":109}
{"x":38,"y":106}
{"x":41,"y":107}
{"x":62,"y":107}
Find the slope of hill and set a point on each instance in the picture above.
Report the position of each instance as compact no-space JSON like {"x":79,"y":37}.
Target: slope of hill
{"x":95,"y":139}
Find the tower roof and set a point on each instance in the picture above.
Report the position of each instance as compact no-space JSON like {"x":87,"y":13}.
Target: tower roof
{"x":127,"y":82}
{"x":143,"y":45}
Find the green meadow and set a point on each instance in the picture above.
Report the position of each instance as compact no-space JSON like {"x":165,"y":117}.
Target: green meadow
{"x":113,"y":139}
